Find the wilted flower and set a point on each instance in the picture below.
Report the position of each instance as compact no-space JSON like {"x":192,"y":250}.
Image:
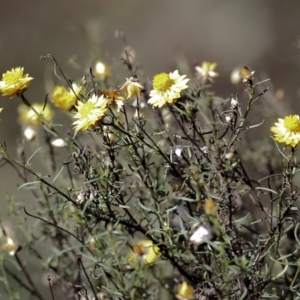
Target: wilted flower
{"x":138,"y":115}
{"x":167,"y":88}
{"x":64,"y":98}
{"x":90,"y":112}
{"x":101,"y":70}
{"x":185,"y":291}
{"x":287,"y":130}
{"x":245,"y":74}
{"x":132,"y":87}
{"x":14,"y":82}
{"x":207,"y":71}
{"x":144,"y":250}
{"x":200,"y":234}
{"x":28,"y":117}
{"x":10,"y":246}
{"x":115,"y":100}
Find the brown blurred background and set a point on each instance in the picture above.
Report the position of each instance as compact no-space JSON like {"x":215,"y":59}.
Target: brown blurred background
{"x":260,"y":34}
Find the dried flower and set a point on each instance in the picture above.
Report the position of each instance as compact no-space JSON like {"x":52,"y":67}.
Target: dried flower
{"x":245,"y":74}
{"x":207,"y":71}
{"x":167,"y":88}
{"x":28,"y":117}
{"x":185,"y":291}
{"x":14,"y":82}
{"x":90,"y":112}
{"x":132,"y":87}
{"x":10,"y":246}
{"x":138,"y":115}
{"x":287,"y":130}
{"x":115,"y":100}
{"x":66,"y":99}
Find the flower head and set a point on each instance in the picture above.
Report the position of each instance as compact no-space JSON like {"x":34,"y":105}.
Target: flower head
{"x":101,"y":70}
{"x":14,"y":82}
{"x":144,"y":250}
{"x":115,"y":100}
{"x":90,"y":112}
{"x":132,"y":87}
{"x":66,"y":99}
{"x":207,"y":71}
{"x":10,"y":246}
{"x":27,"y":116}
{"x":246,"y":74}
{"x":185,"y":291}
{"x":210,"y":207}
{"x":287,"y":130}
{"x":167,"y":88}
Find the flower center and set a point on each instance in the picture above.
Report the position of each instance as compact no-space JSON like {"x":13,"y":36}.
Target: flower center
{"x":86,"y":109}
{"x":11,"y":77}
{"x":292,"y":123}
{"x":162,"y":82}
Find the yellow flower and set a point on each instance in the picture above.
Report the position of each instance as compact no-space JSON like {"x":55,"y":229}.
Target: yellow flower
{"x":207,"y":71}
{"x":115,"y":100}
{"x":185,"y":292}
{"x":167,"y":88}
{"x":132,"y":87}
{"x":10,"y":246}
{"x":28,"y":117}
{"x":144,"y":250}
{"x":14,"y":82}
{"x":90,"y":112}
{"x":66,"y":99}
{"x":210,"y":207}
{"x":287,"y":130}
{"x":245,"y":74}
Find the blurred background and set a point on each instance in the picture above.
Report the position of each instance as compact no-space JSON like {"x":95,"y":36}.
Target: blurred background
{"x":263,"y":35}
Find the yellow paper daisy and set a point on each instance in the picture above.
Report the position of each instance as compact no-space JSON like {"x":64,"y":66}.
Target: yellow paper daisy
{"x":132,"y":87}
{"x":65,"y":98}
{"x":14,"y":82}
{"x":185,"y":292}
{"x":28,"y":117}
{"x":144,"y":250}
{"x":90,"y":112}
{"x":167,"y":88}
{"x":207,"y":71}
{"x":287,"y":130}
